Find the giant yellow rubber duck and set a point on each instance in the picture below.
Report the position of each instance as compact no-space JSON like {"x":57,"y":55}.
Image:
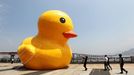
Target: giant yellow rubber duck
{"x":48,"y":49}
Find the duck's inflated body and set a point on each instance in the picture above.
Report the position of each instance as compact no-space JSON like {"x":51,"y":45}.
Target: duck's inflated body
{"x":48,"y":49}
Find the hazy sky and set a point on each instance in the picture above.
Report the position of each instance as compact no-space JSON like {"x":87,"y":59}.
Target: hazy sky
{"x":103,"y":26}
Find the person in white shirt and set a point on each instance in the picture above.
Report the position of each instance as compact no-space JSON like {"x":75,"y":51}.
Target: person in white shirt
{"x":106,"y":63}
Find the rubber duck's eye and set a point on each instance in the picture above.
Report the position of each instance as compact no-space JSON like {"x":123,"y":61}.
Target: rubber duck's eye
{"x":62,"y":20}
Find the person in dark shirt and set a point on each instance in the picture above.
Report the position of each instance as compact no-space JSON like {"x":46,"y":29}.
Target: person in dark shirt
{"x":108,"y":64}
{"x":85,"y":62}
{"x":121,"y":61}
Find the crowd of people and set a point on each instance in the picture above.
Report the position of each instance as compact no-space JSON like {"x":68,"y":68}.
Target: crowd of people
{"x":107,"y":65}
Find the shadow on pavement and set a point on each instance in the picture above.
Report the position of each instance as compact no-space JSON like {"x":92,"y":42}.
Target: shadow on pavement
{"x":6,"y":69}
{"x":99,"y":72}
{"x":21,"y":68}
{"x":121,"y":74}
{"x":38,"y":72}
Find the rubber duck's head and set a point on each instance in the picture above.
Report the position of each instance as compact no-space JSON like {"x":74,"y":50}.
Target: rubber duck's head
{"x":55,"y":24}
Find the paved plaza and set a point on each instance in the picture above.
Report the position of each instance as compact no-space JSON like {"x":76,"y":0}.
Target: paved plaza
{"x":73,"y":69}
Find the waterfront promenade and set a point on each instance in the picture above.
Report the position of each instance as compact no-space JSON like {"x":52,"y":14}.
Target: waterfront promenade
{"x":73,"y":69}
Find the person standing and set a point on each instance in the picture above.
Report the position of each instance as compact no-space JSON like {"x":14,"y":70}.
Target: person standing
{"x":121,"y":61}
{"x":85,"y":62}
{"x":12,"y":58}
{"x":105,"y":63}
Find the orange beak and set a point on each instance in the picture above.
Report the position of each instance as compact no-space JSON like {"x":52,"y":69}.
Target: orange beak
{"x":70,"y":34}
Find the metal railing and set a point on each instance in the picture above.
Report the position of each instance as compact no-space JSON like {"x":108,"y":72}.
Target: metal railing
{"x":77,"y":58}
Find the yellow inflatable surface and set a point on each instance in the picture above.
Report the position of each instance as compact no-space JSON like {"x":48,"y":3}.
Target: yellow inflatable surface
{"x":48,"y":49}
